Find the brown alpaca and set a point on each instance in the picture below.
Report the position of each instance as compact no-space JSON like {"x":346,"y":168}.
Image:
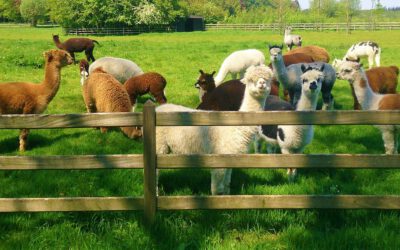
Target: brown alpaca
{"x":103,"y":93}
{"x":73,"y":45}
{"x":382,"y":80}
{"x":30,"y":98}
{"x":149,"y":82}
{"x":317,"y":53}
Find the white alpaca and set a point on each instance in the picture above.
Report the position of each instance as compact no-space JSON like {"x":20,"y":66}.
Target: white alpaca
{"x":217,"y":139}
{"x":291,"y":40}
{"x":238,"y":62}
{"x":365,"y":49}
{"x":292,"y":139}
{"x":122,"y":69}
{"x":369,"y":100}
{"x":290,"y":78}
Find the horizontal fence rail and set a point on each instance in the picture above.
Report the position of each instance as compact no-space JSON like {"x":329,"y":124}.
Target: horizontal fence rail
{"x":308,"y":26}
{"x":213,"y":118}
{"x":150,"y":161}
{"x":118,"y":30}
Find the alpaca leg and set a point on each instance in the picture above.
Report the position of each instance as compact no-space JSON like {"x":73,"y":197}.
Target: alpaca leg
{"x":217,"y":181}
{"x":378,"y":59}
{"x":89,"y":55}
{"x":327,"y":101}
{"x":389,"y":139}
{"x":370,"y":61}
{"x":291,"y":172}
{"x":23,"y":136}
{"x":227,"y":181}
{"x":73,"y":56}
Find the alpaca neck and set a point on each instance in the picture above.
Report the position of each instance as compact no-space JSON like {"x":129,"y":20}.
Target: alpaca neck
{"x":287,"y":33}
{"x":58,"y":43}
{"x":221,"y":75}
{"x":251,"y":103}
{"x":365,"y":96}
{"x":307,"y":104}
{"x":51,"y":82}
{"x":280,"y":71}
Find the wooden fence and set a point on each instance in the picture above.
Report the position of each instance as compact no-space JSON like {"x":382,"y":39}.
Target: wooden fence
{"x":118,"y":30}
{"x":150,"y":161}
{"x":307,"y":26}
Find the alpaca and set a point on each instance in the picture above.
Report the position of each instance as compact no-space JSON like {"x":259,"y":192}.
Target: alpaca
{"x":290,"y":39}
{"x":217,"y":139}
{"x":318,"y":54}
{"x":103,"y":93}
{"x":238,"y":62}
{"x":365,"y":49}
{"x":149,"y":82}
{"x":73,"y":45}
{"x":382,"y":80}
{"x":122,"y":69}
{"x":292,"y":139}
{"x":369,"y":100}
{"x":291,"y":80}
{"x":30,"y":98}
{"x":83,"y":70}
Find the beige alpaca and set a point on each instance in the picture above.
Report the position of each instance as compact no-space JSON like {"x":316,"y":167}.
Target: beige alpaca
{"x":30,"y":98}
{"x":103,"y":93}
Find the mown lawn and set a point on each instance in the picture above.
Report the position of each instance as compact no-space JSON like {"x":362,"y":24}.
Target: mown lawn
{"x":179,"y":56}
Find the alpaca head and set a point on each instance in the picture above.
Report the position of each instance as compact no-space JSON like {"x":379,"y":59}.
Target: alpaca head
{"x":258,"y":81}
{"x":288,"y":29}
{"x":56,"y":37}
{"x":206,"y":81}
{"x":60,"y":58}
{"x":311,"y":80}
{"x":84,"y":68}
{"x":336,"y":63}
{"x":348,"y":69}
{"x":275,"y":52}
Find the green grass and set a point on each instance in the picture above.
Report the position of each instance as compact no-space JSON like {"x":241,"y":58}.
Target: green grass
{"x":179,"y":56}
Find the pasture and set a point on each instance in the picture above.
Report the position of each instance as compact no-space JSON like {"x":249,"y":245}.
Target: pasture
{"x":179,"y":56}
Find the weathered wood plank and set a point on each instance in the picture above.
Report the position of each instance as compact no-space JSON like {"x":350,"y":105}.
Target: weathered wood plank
{"x":70,"y":204}
{"x":279,"y":202}
{"x":71,"y":120}
{"x":150,"y":162}
{"x":71,"y":162}
{"x":279,"y":161}
{"x":278,"y":117}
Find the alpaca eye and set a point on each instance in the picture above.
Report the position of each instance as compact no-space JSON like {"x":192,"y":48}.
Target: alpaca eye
{"x":347,"y":70}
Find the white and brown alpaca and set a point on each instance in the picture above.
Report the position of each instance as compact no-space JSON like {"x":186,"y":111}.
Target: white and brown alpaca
{"x":30,"y":98}
{"x":289,"y":77}
{"x":291,"y":40}
{"x":369,"y":100}
{"x":217,"y":139}
{"x":292,"y":139}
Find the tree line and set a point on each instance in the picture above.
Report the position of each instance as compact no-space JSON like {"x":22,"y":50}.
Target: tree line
{"x":111,"y":13}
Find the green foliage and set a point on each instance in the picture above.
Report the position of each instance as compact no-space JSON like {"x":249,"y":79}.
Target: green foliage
{"x":9,"y":9}
{"x":33,"y":10}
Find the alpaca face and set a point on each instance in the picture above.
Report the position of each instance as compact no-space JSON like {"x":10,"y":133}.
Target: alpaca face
{"x":260,"y":88}
{"x":311,"y":81}
{"x":275,"y":53}
{"x":347,"y":70}
{"x":60,"y":58}
{"x":206,"y":81}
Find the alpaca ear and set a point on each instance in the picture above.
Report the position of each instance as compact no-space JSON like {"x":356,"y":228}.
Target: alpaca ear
{"x":213,"y":73}
{"x":201,"y":72}
{"x":322,"y":68}
{"x":48,"y":56}
{"x":303,"y":68}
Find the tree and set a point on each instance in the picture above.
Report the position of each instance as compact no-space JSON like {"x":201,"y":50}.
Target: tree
{"x":349,"y":8}
{"x":9,"y":10}
{"x":33,"y":10}
{"x":147,"y":13}
{"x":324,"y":8}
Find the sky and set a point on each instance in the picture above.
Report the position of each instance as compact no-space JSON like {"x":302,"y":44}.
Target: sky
{"x":365,"y":4}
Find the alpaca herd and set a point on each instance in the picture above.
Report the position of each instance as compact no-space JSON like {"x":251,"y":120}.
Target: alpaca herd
{"x":112,"y":84}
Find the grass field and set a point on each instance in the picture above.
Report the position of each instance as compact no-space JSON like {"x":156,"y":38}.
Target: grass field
{"x":179,"y":56}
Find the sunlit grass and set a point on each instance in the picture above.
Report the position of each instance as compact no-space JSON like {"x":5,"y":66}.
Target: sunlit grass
{"x":179,"y":56}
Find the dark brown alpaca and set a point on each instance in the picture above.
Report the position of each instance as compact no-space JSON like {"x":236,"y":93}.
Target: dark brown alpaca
{"x":73,"y":45}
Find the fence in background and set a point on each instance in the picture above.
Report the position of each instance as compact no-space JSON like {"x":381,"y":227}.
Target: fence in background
{"x":307,"y":26}
{"x":150,"y":161}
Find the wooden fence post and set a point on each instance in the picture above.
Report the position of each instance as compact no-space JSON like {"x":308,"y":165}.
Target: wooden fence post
{"x":150,"y":162}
